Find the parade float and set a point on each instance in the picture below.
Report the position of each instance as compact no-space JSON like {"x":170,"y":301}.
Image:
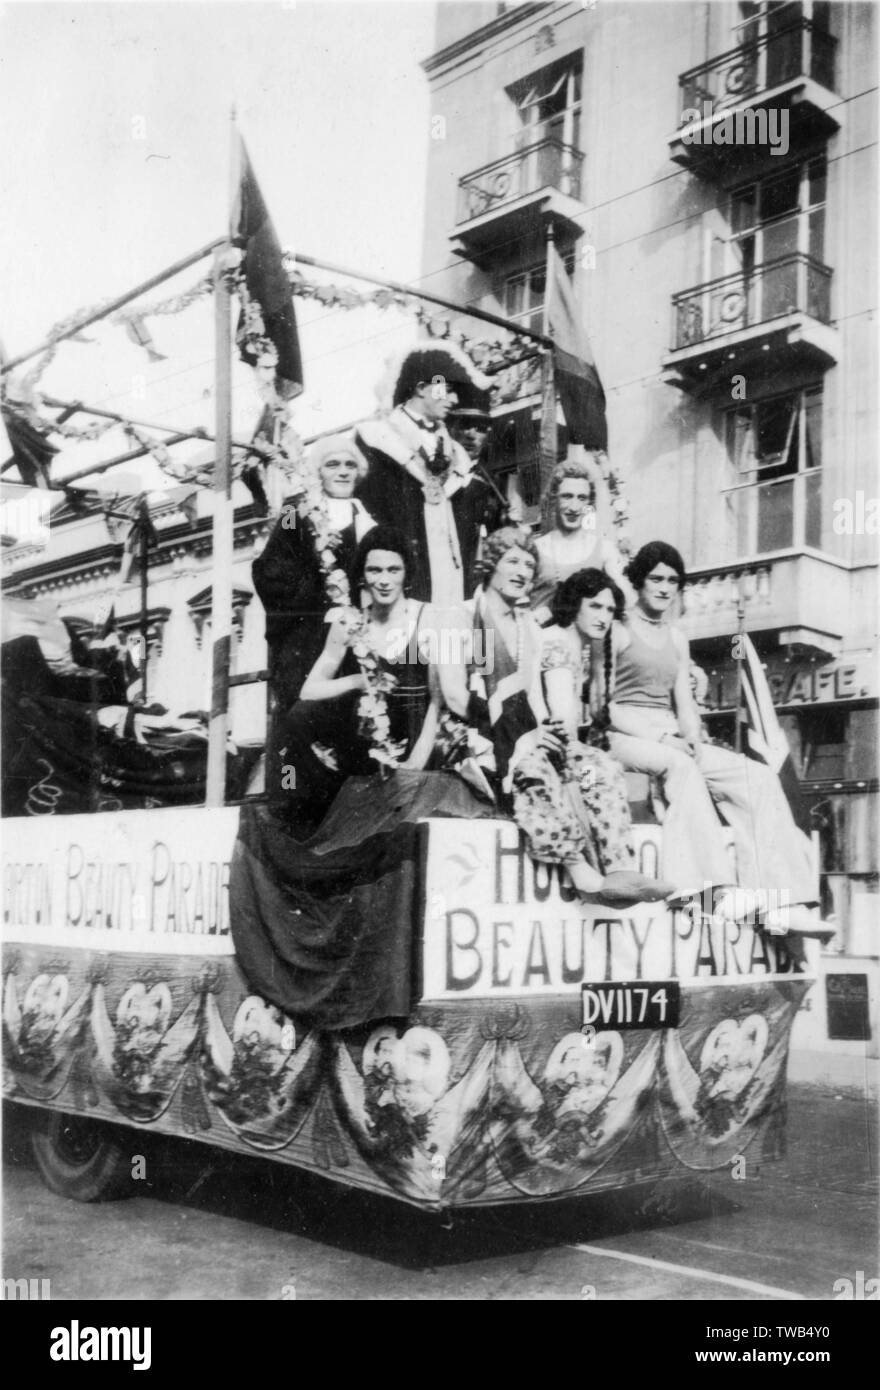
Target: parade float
{"x":404,"y":1002}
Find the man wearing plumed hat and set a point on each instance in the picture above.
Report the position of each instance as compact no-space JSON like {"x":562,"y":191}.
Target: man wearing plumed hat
{"x":421,"y":480}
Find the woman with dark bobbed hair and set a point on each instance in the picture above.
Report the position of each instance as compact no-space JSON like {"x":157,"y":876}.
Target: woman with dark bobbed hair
{"x":656,"y":729}
{"x":373,"y":696}
{"x":576,"y":664}
{"x":542,"y":775}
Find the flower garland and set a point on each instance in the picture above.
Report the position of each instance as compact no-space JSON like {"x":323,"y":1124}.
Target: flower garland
{"x":485,"y":355}
{"x":618,"y":499}
{"x":373,"y":720}
{"x":175,"y":304}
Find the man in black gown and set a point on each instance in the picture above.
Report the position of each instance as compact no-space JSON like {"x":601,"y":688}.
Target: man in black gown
{"x":421,"y":480}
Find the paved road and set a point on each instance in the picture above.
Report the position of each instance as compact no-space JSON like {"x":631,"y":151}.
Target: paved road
{"x":211,"y":1226}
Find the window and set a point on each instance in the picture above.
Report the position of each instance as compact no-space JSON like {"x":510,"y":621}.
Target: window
{"x":776,"y":449}
{"x":546,"y":118}
{"x":524,"y":294}
{"x":548,"y":104}
{"x":778,"y":215}
{"x":773,"y":37}
{"x":776,"y":242}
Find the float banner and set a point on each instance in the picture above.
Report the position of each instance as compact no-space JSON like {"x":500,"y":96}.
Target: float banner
{"x":325,"y":928}
{"x":462,"y":1103}
{"x":144,"y":881}
{"x":497,"y":924}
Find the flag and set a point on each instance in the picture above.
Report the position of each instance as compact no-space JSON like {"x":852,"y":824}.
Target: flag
{"x":186,"y":500}
{"x":141,"y":529}
{"x":548,"y":443}
{"x":31,"y":451}
{"x":580,"y":390}
{"x":266,"y":281}
{"x":252,"y":474}
{"x":140,"y":335}
{"x":763,"y":738}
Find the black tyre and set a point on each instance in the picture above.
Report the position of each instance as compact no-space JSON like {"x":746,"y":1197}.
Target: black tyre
{"x":80,"y":1158}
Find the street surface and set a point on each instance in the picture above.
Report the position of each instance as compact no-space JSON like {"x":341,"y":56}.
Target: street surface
{"x":208,"y":1225}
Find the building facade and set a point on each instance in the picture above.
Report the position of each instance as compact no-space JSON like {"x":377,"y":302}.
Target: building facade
{"x":709,"y":171}
{"x":80,"y":572}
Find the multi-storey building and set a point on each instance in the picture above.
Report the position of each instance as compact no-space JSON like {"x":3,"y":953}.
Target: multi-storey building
{"x":709,"y":171}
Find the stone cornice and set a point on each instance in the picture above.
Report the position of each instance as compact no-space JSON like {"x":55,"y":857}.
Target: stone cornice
{"x":98,"y":561}
{"x":478,"y":38}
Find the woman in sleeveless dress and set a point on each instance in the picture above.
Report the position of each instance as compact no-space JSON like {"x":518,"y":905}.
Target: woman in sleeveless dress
{"x":325,"y":733}
{"x":581,"y":535}
{"x":539,"y":774}
{"x":576,"y":667}
{"x":656,"y":729}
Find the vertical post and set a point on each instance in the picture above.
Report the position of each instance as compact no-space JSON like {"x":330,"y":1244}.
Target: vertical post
{"x":549,"y":443}
{"x":144,"y":547}
{"x":221,"y":581}
{"x":740,"y":631}
{"x":222,"y":546}
{"x":545,"y":318}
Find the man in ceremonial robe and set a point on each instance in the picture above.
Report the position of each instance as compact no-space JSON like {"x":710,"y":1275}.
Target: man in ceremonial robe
{"x":424,"y":482}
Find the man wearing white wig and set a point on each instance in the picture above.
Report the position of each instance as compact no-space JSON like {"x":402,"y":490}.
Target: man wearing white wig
{"x":288,"y":577}
{"x":421,"y":480}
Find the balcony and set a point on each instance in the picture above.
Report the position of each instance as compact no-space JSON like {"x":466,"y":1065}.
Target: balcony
{"x":791,"y":72}
{"x":797,"y":597}
{"x":772,"y":318}
{"x":513,"y":199}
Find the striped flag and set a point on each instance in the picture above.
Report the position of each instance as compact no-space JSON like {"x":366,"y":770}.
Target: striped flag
{"x":763,"y":738}
{"x":548,"y":437}
{"x":580,"y":390}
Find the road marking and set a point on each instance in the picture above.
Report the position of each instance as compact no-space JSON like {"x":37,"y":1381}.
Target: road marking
{"x":730,"y":1279}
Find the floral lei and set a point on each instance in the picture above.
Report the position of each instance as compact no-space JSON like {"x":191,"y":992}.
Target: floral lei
{"x":374,"y":722}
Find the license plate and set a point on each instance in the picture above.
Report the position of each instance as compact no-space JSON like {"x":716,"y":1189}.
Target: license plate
{"x":632,"y":1004}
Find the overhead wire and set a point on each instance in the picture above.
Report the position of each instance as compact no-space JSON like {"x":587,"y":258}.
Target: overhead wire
{"x":475,"y":301}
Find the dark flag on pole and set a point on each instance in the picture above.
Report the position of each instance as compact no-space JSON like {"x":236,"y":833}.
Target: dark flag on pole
{"x":580,"y":390}
{"x":266,"y":281}
{"x":31,"y":451}
{"x":763,"y":738}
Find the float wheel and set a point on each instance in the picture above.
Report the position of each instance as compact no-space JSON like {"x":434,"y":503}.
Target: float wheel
{"x":80,"y":1158}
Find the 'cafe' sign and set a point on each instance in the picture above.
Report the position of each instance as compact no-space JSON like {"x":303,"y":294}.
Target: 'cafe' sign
{"x":806,"y":683}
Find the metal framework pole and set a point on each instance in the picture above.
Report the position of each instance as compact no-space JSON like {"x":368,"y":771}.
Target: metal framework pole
{"x":114,"y":304}
{"x":222,"y":545}
{"x":222,"y":549}
{"x":468,"y":311}
{"x":145,"y":580}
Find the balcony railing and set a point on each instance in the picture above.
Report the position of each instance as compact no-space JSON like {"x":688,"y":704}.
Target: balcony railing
{"x":761,"y":65}
{"x":795,"y":592}
{"x":714,"y":595}
{"x":546,"y":164}
{"x":793,"y":284}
